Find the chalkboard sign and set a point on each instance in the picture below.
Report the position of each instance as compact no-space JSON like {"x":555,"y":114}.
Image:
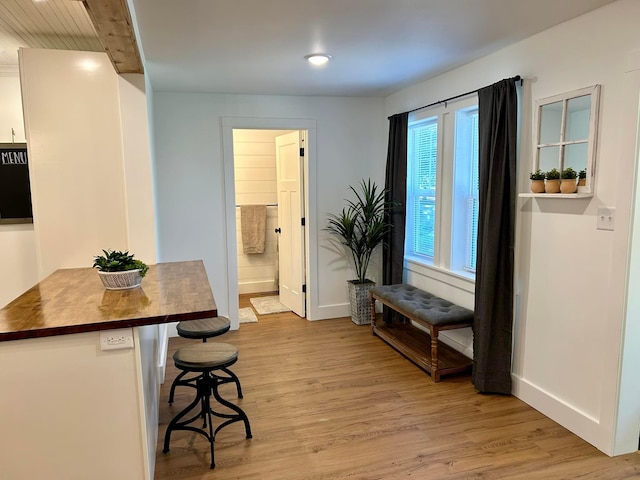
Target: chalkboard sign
{"x":15,"y":192}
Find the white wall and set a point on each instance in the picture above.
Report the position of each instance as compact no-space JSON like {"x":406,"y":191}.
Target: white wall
{"x":71,"y":410}
{"x":91,"y":182}
{"x":90,"y":166}
{"x":571,"y":278}
{"x":350,"y":144}
{"x":17,"y":242}
{"x":256,"y":183}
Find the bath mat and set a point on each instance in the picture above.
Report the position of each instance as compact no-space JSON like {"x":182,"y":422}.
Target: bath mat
{"x":267,"y":305}
{"x":247,"y":315}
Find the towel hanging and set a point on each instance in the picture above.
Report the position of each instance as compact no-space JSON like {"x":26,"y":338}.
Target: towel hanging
{"x":253,"y":226}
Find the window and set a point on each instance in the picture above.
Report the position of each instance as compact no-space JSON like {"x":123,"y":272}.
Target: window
{"x":566,"y":132}
{"x":442,"y":187}
{"x":421,"y":188}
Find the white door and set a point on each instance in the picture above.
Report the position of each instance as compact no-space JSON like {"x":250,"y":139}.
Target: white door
{"x":291,"y":262}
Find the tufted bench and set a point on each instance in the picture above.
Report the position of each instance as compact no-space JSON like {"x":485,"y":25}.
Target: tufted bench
{"x":433,"y":313}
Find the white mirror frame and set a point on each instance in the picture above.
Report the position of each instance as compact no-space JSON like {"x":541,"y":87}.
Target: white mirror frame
{"x":594,"y":92}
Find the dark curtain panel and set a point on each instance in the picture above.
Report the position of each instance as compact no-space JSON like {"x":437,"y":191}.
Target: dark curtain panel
{"x":396,"y":191}
{"x":492,"y":340}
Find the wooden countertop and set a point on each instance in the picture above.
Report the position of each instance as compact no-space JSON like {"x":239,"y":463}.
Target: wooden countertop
{"x":74,"y":300}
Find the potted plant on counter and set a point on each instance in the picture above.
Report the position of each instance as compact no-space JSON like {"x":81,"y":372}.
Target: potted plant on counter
{"x":552,"y":185}
{"x":537,"y":181}
{"x":361,"y":227}
{"x":119,"y":270}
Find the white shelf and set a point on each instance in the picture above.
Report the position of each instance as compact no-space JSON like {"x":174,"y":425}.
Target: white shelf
{"x":555,"y":195}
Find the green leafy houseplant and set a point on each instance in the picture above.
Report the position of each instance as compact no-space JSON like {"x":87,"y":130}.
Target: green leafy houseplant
{"x":568,"y":174}
{"x":537,"y":175}
{"x":362,"y":225}
{"x":118,"y":261}
{"x":552,"y":174}
{"x":582,"y":174}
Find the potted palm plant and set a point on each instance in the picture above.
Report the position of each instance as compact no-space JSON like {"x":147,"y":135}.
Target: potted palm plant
{"x":119,"y":270}
{"x":361,"y":227}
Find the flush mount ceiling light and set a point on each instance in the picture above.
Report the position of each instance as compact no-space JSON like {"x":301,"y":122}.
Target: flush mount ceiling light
{"x":317,"y":58}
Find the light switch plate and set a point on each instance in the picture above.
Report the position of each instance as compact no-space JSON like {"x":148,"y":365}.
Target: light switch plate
{"x":606,"y":218}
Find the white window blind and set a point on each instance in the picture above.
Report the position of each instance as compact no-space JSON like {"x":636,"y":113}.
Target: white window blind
{"x":421,"y":188}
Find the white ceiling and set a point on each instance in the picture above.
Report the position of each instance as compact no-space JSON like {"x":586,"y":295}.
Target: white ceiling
{"x":378,"y":46}
{"x":55,"y":24}
{"x":257,"y":46}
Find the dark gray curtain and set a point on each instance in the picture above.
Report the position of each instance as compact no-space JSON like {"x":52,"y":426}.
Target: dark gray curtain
{"x":492,"y":330}
{"x":396,"y":191}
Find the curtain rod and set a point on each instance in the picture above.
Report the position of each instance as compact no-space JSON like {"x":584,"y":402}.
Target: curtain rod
{"x":515,"y":79}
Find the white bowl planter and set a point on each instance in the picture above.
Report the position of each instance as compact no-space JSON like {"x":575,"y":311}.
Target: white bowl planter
{"x":120,"y":280}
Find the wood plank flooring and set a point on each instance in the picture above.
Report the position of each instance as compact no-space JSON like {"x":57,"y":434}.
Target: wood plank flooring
{"x":327,"y":400}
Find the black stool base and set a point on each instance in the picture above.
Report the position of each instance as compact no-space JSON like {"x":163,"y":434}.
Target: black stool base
{"x":206,"y":384}
{"x":191,"y":382}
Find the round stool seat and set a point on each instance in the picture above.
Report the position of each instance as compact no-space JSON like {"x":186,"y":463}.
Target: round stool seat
{"x":205,"y":356}
{"x":203,"y":328}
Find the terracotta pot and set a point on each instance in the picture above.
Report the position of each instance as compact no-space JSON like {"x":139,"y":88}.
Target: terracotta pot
{"x":537,"y":186}
{"x":568,"y":185}
{"x":552,"y":186}
{"x":582,"y":185}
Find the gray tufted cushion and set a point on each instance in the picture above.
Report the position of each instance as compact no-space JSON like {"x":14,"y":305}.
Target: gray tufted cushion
{"x":423,"y":305}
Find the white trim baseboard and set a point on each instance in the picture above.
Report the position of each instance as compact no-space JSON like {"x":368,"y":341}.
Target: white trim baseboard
{"x":582,"y":424}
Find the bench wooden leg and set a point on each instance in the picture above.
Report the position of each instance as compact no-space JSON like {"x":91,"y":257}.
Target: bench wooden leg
{"x":435,"y":371}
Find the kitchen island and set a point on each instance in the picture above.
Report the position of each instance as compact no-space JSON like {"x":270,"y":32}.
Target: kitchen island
{"x":71,"y":409}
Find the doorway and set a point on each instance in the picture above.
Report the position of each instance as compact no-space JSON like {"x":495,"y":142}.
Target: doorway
{"x":269,"y":218}
{"x":233,"y":198}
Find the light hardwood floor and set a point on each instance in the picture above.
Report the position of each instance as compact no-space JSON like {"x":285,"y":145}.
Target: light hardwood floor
{"x":327,"y":400}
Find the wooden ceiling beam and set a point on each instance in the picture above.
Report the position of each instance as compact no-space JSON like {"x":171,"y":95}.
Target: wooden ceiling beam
{"x":112,"y":22}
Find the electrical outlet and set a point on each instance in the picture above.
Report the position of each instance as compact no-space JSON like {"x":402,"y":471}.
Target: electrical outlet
{"x":606,"y":218}
{"x":116,"y":339}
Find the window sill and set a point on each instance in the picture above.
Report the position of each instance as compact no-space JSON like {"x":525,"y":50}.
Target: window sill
{"x":555,"y":195}
{"x":468,"y":284}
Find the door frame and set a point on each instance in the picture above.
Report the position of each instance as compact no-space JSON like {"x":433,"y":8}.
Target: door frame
{"x":310,"y":196}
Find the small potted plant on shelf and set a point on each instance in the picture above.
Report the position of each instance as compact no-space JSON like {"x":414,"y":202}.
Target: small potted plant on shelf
{"x":568,"y":180}
{"x":119,"y":270}
{"x":552,"y":185}
{"x":361,"y":227}
{"x":582,"y":180}
{"x":537,"y":181}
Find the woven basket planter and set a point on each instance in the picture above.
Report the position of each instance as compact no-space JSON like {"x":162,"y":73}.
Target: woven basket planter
{"x":120,"y":280}
{"x":360,"y":302}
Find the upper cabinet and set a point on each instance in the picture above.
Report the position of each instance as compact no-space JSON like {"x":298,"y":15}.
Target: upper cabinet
{"x":566,"y":132}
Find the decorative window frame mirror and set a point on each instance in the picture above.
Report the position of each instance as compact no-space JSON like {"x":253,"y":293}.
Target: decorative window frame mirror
{"x":566,"y":134}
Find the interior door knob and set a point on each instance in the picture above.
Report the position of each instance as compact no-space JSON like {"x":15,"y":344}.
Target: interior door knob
{"x":277,"y":230}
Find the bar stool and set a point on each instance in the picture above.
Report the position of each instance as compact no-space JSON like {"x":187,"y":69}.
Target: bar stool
{"x":202,"y":329}
{"x":205,"y":359}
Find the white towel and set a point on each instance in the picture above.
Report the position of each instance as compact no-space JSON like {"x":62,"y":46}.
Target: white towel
{"x":253,"y":226}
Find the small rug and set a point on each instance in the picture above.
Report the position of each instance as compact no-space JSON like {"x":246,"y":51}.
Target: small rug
{"x":267,"y":305}
{"x":247,"y":315}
